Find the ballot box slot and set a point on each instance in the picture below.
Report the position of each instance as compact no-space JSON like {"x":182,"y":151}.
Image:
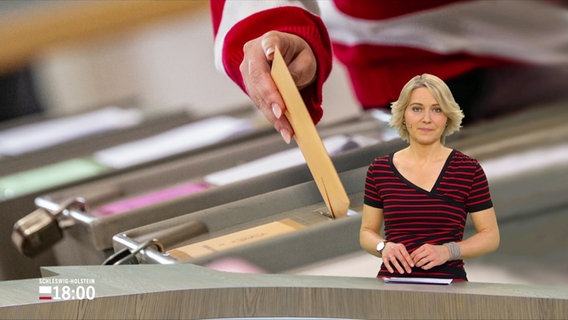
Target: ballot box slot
{"x":224,"y":239}
{"x":249,"y":233}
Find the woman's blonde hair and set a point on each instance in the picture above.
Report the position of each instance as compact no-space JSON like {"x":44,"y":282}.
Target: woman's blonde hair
{"x":441,"y":93}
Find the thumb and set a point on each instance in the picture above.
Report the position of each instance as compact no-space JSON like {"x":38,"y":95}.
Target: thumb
{"x":269,"y":42}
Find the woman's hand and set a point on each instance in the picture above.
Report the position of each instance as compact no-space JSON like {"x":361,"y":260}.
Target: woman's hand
{"x":396,"y":257}
{"x":428,"y":256}
{"x":255,"y":70}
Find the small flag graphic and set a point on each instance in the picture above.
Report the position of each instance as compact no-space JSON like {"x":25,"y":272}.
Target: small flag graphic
{"x":44,"y":293}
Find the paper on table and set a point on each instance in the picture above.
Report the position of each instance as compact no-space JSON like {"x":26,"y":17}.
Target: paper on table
{"x":307,"y":138}
{"x":281,"y":160}
{"x":417,"y":280}
{"x":174,"y":141}
{"x":27,"y":138}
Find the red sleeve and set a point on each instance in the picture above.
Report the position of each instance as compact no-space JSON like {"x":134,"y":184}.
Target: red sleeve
{"x":285,"y":19}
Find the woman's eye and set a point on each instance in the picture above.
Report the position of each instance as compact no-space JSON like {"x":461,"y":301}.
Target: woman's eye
{"x":438,"y":110}
{"x":416,"y":109}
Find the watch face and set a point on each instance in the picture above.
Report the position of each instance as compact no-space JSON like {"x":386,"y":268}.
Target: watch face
{"x":380,"y":246}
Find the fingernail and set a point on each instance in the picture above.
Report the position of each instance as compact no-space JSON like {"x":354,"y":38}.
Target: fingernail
{"x":276,"y":110}
{"x":269,"y":51}
{"x":286,"y":136}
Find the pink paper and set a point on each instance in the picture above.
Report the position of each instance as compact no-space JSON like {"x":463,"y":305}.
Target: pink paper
{"x":150,"y":198}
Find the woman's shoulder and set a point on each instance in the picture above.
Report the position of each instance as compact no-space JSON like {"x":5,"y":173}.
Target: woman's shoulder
{"x":381,"y":163}
{"x":384,"y":159}
{"x":460,"y":157}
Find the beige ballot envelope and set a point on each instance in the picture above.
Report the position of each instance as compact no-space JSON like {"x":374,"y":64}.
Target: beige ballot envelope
{"x":309,"y":141}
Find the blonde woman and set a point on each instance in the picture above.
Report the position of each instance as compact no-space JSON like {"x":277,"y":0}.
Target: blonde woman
{"x":424,"y":193}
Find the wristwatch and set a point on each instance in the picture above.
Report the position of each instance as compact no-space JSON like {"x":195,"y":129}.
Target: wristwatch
{"x":381,"y":246}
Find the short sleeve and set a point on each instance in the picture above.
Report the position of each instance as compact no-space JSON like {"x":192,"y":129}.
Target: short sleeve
{"x":479,"y":197}
{"x":372,"y":196}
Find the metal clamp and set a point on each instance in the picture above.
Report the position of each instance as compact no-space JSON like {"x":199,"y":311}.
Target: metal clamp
{"x":126,"y":254}
{"x":42,"y":228}
{"x":161,"y":239}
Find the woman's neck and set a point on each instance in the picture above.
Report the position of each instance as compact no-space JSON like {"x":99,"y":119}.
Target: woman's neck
{"x":419,"y":152}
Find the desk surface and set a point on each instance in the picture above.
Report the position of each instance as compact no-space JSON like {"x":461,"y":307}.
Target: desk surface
{"x":189,"y":291}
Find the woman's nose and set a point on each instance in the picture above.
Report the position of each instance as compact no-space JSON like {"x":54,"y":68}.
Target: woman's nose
{"x":426,"y":117}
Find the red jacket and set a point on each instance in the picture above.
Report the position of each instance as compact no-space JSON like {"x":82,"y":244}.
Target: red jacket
{"x":385,"y":43}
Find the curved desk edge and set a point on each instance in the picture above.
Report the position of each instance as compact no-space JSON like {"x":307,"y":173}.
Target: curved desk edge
{"x":186,"y":291}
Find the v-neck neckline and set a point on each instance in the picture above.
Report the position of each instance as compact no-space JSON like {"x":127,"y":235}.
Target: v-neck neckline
{"x":415,"y":186}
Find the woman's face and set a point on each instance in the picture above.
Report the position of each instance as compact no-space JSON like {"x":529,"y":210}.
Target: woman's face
{"x":424,"y":118}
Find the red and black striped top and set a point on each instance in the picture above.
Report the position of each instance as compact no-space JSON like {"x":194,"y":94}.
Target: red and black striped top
{"x":414,"y":216}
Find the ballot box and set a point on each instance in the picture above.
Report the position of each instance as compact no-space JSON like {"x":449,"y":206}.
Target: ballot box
{"x":290,"y":227}
{"x":30,"y":173}
{"x":273,"y":231}
{"x":195,"y":182}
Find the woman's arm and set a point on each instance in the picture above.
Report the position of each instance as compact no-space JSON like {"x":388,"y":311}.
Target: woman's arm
{"x":394,"y":255}
{"x":486,"y":239}
{"x":239,"y":25}
{"x":371,"y":224}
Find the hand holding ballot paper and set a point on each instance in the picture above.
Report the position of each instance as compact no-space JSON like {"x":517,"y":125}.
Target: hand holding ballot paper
{"x":308,"y":140}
